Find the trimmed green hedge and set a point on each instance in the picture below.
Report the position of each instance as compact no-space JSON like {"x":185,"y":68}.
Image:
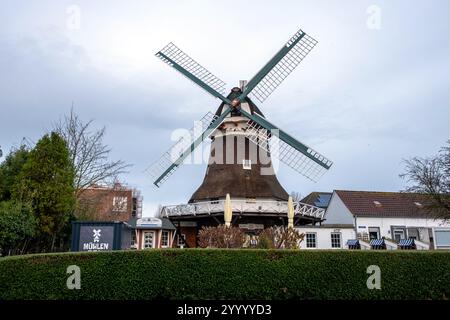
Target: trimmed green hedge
{"x":227,"y":274}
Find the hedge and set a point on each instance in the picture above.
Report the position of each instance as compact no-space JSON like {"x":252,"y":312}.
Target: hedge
{"x":227,"y":274}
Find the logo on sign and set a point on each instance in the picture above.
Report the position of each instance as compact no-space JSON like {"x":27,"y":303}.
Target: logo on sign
{"x":97,"y":235}
{"x":96,"y":245}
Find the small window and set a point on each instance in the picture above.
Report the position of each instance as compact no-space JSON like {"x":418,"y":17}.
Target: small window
{"x":374,"y":233}
{"x":120,"y":204}
{"x":133,"y":212}
{"x":377,"y":204}
{"x":148,"y":239}
{"x":336,"y":240}
{"x":311,"y":240}
{"x":247,"y":164}
{"x":181,"y":240}
{"x":418,"y":204}
{"x":214,"y":200}
{"x":250,"y":200}
{"x":165,"y":239}
{"x":399,"y":234}
{"x":133,"y":239}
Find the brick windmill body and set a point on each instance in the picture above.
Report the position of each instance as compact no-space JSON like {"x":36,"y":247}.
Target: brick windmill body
{"x":240,"y":161}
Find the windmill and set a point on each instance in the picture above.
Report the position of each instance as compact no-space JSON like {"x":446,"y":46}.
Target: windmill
{"x":239,"y":120}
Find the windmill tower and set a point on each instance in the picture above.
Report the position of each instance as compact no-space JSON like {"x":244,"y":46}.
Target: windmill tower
{"x":238,"y":166}
{"x":244,"y":143}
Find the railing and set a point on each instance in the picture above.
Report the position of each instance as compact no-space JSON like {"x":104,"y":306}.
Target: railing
{"x":242,"y":206}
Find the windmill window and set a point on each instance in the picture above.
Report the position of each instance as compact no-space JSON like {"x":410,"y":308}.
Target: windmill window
{"x":247,"y":164}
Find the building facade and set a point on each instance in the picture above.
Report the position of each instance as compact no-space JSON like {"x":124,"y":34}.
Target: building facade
{"x":155,"y":233}
{"x":326,"y":236}
{"x":105,"y":203}
{"x":367,"y":216}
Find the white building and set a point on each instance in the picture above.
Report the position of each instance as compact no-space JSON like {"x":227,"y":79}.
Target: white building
{"x":367,"y":215}
{"x":326,"y":236}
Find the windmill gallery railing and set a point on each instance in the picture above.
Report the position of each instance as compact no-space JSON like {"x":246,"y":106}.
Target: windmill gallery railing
{"x":242,"y":206}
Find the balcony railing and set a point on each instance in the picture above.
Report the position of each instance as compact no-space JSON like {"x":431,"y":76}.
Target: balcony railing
{"x":242,"y":206}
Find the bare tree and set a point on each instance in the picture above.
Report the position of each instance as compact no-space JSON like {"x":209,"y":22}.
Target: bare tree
{"x":280,"y":238}
{"x":89,"y":155}
{"x":221,"y":237}
{"x":296,"y":196}
{"x":431,"y":177}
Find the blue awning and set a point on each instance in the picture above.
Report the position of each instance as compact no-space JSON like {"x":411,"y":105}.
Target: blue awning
{"x":377,"y":242}
{"x":406,"y":242}
{"x":353,"y":242}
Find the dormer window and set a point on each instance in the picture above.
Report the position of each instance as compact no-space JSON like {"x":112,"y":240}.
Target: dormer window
{"x":418,"y":204}
{"x":247,"y":164}
{"x":377,"y":204}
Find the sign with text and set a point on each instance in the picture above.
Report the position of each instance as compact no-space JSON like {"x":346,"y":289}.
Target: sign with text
{"x":96,"y":238}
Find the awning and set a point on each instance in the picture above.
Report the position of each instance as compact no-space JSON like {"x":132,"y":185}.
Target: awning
{"x":353,"y":242}
{"x":377,"y":242}
{"x":406,"y":242}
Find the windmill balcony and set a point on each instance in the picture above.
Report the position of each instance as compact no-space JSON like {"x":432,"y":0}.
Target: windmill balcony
{"x":242,"y":206}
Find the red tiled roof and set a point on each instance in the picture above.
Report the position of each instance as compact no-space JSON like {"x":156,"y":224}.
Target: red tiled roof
{"x":391,"y":204}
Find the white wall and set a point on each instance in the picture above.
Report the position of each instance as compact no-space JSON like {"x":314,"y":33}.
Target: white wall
{"x":323,"y":236}
{"x":363,"y":224}
{"x":337,"y":212}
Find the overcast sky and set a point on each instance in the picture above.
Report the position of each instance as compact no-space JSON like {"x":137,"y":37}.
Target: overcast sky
{"x":374,"y":91}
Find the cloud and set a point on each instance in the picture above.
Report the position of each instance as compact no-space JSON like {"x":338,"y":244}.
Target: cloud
{"x":364,"y":98}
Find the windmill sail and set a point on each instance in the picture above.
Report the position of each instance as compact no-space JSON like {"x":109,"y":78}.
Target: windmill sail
{"x":162,"y":169}
{"x":279,"y":67}
{"x":279,"y":144}
{"x":188,"y":67}
{"x":290,"y":151}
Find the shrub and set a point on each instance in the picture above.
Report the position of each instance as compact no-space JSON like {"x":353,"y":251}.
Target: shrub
{"x":280,"y":238}
{"x":227,"y":274}
{"x":221,"y":237}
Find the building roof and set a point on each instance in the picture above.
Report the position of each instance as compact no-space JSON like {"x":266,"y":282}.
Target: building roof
{"x":155,"y":223}
{"x":167,"y":224}
{"x":318,"y":199}
{"x":328,"y":226}
{"x":384,"y":204}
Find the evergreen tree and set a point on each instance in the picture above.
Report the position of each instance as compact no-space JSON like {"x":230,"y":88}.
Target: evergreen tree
{"x":46,"y":182}
{"x":17,"y":226}
{"x":10,"y":169}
